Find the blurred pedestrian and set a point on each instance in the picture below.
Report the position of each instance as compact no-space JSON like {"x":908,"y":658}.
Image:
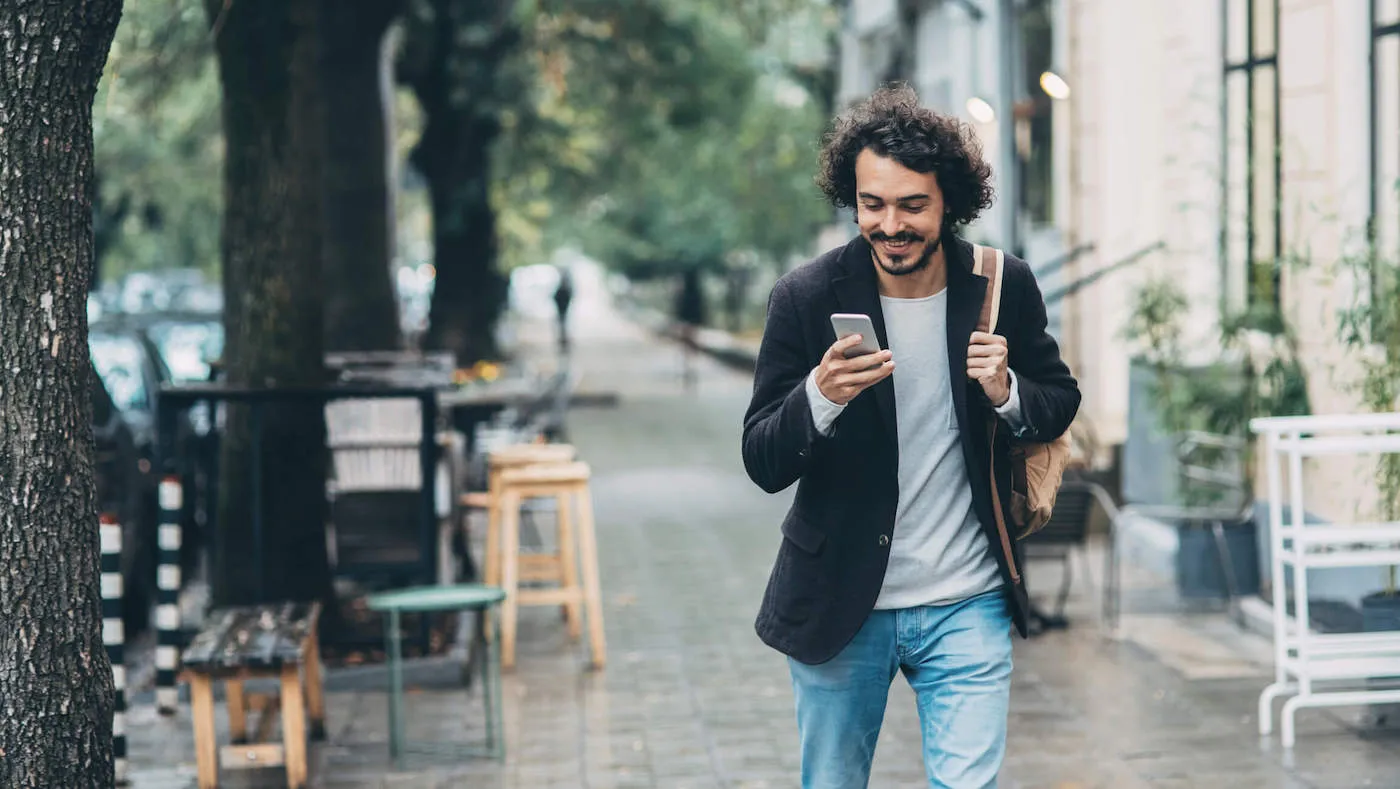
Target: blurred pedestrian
{"x":563,"y":297}
{"x":691,"y":315}
{"x":891,"y":558}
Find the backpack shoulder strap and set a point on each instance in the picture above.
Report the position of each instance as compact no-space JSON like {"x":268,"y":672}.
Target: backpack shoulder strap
{"x":990,"y":263}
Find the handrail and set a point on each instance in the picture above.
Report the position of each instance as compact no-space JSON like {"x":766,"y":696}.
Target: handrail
{"x":1089,"y":279}
{"x":1055,"y":264}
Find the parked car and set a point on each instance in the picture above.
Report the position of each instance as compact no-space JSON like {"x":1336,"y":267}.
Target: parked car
{"x":133,"y":370}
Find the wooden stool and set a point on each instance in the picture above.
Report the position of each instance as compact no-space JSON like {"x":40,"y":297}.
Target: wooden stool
{"x":539,"y":567}
{"x":257,"y":642}
{"x":535,"y":567}
{"x":567,"y":483}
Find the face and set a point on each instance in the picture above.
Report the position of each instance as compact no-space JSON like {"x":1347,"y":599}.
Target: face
{"x":900,"y":212}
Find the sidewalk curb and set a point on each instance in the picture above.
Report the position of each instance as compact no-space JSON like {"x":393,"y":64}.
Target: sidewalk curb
{"x":719,"y":344}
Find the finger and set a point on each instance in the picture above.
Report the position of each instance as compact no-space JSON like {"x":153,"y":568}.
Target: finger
{"x":855,"y":364}
{"x":981,"y":373}
{"x":845,"y":344}
{"x":848,"y":347}
{"x":984,"y":338}
{"x":985,"y":350}
{"x":855,"y":383}
{"x":830,"y":356}
{"x":865,"y":378}
{"x":994,"y":362}
{"x":986,"y":363}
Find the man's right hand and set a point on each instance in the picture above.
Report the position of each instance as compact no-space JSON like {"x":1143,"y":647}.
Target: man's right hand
{"x":840,"y":379}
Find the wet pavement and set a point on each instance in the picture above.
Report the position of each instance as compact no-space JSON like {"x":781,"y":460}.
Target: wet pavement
{"x":692,"y":700}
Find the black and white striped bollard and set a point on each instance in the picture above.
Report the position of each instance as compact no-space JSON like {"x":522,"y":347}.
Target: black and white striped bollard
{"x":114,"y":634}
{"x":168,"y":597}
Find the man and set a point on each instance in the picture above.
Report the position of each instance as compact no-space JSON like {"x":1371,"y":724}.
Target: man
{"x":891,"y":559}
{"x":563,"y":297}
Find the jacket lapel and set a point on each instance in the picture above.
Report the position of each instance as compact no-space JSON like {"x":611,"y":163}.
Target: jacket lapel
{"x":858,"y":290}
{"x":966,"y":292}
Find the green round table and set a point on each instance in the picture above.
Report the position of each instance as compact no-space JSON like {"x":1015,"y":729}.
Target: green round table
{"x":433,"y":599}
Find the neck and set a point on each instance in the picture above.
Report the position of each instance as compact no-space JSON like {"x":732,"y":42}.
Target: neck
{"x":926,"y":282}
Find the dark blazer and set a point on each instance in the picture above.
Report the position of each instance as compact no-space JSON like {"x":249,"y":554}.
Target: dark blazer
{"x":836,"y":537}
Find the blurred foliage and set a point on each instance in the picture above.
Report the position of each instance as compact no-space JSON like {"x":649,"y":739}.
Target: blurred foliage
{"x":657,"y":135}
{"x":1369,"y":326}
{"x":158,"y":143}
{"x":664,"y":135}
{"x":1257,"y":373}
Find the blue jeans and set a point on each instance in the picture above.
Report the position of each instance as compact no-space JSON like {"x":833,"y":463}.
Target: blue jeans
{"x":957,"y":658}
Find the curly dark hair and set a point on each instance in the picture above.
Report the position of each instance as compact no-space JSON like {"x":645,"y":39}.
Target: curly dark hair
{"x":893,"y":124}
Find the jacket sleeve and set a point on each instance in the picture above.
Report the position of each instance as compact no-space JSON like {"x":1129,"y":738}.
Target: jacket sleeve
{"x":779,"y":432}
{"x":1049,"y":394}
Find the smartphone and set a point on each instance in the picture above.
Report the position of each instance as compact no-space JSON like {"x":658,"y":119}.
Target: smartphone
{"x":845,"y":324}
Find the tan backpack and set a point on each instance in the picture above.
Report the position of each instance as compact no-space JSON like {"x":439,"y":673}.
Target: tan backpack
{"x":1036,"y":468}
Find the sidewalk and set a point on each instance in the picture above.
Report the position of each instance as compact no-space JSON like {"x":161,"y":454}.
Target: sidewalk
{"x":692,"y":699}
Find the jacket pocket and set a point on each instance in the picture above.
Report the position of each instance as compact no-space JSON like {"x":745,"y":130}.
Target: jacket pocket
{"x":803,"y":535}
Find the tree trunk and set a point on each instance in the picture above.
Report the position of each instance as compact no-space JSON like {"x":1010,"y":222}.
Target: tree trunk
{"x":362,"y":312}
{"x":469,"y":293}
{"x":56,"y":692}
{"x":459,"y":50}
{"x":273,"y":319}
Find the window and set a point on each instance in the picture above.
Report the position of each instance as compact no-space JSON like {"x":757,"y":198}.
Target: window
{"x":1251,"y":233}
{"x":1034,"y":115}
{"x":1385,"y":134}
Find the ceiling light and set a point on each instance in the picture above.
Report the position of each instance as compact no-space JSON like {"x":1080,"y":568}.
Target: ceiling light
{"x":980,"y":110}
{"x":1054,"y":86}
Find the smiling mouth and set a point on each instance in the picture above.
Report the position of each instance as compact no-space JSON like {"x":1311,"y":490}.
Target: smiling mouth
{"x":897,"y":247}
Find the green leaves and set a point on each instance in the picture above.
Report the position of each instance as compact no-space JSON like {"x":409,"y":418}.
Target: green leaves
{"x":662,"y":135}
{"x":158,"y":143}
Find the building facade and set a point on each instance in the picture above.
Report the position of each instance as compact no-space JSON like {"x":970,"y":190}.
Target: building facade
{"x":1259,"y":140}
{"x":1238,"y":148}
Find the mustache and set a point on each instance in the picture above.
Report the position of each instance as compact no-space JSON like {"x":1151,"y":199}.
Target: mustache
{"x":896,"y":238}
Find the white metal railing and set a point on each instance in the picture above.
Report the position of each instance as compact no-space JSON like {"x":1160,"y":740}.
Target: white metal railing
{"x":1350,"y":664}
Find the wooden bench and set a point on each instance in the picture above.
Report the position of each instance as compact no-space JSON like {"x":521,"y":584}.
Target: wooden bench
{"x":275,"y":641}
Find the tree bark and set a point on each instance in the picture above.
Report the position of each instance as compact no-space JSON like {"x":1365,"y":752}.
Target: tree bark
{"x":56,"y":692}
{"x":362,"y":312}
{"x":461,"y":48}
{"x":469,"y":293}
{"x":273,"y":317}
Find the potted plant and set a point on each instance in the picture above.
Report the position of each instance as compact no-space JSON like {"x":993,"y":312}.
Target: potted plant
{"x":1206,"y":407}
{"x":1369,"y":327}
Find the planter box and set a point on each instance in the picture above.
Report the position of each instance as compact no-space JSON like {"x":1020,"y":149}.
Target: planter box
{"x":1380,"y":612}
{"x":1198,"y":562}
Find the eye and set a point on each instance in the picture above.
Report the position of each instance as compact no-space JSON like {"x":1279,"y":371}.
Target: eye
{"x":915,"y":208}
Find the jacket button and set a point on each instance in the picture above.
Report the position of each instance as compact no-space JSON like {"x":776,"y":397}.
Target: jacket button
{"x":802,"y":453}
{"x":884,"y":539}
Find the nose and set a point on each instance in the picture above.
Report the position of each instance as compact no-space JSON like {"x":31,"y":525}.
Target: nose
{"x":889,"y":222}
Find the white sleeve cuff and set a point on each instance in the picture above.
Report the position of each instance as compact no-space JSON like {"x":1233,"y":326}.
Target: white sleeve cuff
{"x":1010,"y":411}
{"x":824,"y":412}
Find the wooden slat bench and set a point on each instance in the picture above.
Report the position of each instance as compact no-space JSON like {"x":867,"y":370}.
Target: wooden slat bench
{"x":275,"y":641}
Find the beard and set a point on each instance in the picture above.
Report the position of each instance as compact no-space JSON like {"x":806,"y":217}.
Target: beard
{"x":903,"y":265}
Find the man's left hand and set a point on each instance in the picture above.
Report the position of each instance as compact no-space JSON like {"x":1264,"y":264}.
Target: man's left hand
{"x":986,"y":364}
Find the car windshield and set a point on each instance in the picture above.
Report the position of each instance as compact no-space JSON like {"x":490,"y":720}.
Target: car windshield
{"x":187,"y":348}
{"x":118,"y":361}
